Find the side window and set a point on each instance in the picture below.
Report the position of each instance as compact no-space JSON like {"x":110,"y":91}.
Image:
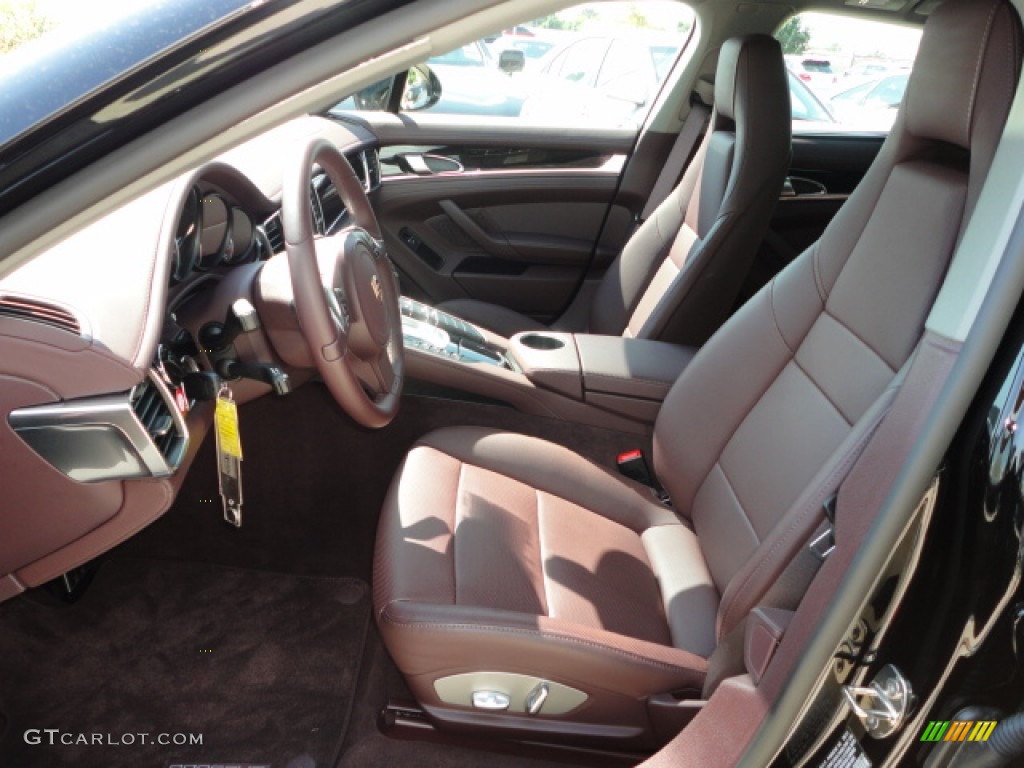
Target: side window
{"x":471,"y":55}
{"x":846,"y":74}
{"x":599,"y":63}
{"x":805,"y":107}
{"x":890,"y":91}
{"x":627,"y":63}
{"x":582,"y":60}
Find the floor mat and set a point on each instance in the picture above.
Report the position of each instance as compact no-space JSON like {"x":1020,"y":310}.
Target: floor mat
{"x":262,"y":666}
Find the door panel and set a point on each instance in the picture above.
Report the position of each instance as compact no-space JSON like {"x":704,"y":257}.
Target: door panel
{"x":517,"y":226}
{"x":824,"y":170}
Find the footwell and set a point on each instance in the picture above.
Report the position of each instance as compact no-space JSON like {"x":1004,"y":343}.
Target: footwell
{"x":169,"y":663}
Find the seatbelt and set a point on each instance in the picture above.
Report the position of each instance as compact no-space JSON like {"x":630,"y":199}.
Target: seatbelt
{"x":683,"y":150}
{"x":861,"y":495}
{"x":783,"y":551}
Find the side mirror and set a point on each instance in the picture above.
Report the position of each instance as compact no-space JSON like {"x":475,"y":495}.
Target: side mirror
{"x":374,"y":97}
{"x":512,"y":60}
{"x":422,"y":89}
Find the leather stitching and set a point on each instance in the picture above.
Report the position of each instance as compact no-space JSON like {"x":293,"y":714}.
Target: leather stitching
{"x":821,"y":389}
{"x":541,"y":549}
{"x":545,"y":635}
{"x":969,"y":114}
{"x":631,"y":379}
{"x":455,"y":525}
{"x":859,"y":338}
{"x":775,"y":321}
{"x":819,"y":281}
{"x":739,"y":502}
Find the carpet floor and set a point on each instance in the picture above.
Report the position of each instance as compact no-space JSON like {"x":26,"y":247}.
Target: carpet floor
{"x":264,"y":666}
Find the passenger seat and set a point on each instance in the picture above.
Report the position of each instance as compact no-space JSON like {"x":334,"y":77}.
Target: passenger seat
{"x":679,"y":275}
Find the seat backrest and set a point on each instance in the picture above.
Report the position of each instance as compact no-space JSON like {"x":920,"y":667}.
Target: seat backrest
{"x":767,"y":409}
{"x":679,"y":275}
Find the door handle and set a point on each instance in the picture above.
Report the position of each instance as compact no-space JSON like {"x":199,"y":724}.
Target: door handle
{"x":476,"y":233}
{"x":798,"y":186}
{"x":422,"y":164}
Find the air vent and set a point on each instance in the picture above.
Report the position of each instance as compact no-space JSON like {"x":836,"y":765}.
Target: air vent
{"x":275,"y":232}
{"x":331,"y":208}
{"x":371,"y":158}
{"x":39,"y":312}
{"x":153,"y":411}
{"x":317,"y":208}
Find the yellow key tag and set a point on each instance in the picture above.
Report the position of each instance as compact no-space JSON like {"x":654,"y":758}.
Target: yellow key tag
{"x":226,"y":418}
{"x":229,"y":456}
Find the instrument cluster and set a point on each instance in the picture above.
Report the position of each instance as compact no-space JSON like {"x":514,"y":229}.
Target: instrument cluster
{"x":215,"y":232}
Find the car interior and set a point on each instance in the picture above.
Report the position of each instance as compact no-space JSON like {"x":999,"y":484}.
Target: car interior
{"x":373,"y":438}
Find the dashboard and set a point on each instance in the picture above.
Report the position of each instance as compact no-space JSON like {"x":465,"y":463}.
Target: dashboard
{"x":110,"y":344}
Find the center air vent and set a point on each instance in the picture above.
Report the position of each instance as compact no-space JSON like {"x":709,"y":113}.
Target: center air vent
{"x":36,"y":311}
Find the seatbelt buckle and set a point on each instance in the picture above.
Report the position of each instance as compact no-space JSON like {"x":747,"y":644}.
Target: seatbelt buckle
{"x":633,"y":464}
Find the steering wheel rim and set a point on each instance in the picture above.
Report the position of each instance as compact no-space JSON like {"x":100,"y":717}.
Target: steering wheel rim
{"x":346,"y":291}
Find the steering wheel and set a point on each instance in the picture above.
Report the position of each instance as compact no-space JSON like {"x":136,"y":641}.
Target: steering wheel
{"x":346,"y":291}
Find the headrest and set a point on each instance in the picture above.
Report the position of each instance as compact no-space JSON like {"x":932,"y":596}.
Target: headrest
{"x":969,"y":54}
{"x":746,"y":66}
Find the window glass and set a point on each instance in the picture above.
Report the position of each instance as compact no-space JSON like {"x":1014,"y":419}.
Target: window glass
{"x":81,"y":45}
{"x":855,"y":71}
{"x":601,"y":63}
{"x":805,"y":105}
{"x":626,"y":60}
{"x":472,"y":55}
{"x":582,"y":60}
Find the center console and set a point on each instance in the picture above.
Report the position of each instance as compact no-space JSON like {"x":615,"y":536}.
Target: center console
{"x":606,"y":381}
{"x":434,"y":332}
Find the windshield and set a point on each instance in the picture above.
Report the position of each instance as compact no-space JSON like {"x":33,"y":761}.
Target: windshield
{"x":55,"y":52}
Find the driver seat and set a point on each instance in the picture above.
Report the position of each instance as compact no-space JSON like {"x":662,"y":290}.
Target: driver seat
{"x":510,"y":569}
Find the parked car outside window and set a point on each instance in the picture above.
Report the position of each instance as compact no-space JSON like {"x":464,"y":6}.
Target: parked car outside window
{"x":872,"y":105}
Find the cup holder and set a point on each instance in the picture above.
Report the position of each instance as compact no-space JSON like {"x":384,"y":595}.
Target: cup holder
{"x":540,"y":341}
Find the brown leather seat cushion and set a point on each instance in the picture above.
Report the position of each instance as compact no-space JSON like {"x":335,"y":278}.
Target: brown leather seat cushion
{"x":498,"y":551}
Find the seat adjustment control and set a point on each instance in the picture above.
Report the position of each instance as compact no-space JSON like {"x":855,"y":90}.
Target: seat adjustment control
{"x":493,"y":701}
{"x":535,"y":701}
